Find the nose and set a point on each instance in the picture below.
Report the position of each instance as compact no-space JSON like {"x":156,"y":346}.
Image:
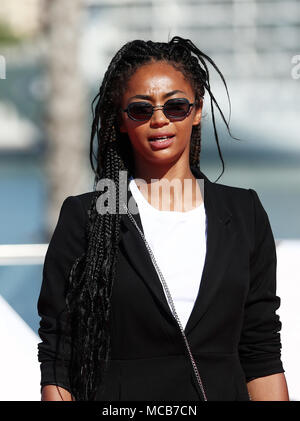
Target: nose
{"x":158,"y":117}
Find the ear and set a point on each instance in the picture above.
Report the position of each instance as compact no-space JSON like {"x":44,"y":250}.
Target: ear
{"x":121,"y":124}
{"x":198,"y":115}
{"x":122,"y":128}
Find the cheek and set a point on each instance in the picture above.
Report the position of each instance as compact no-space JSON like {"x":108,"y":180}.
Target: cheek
{"x":137,"y":131}
{"x":184,"y":129}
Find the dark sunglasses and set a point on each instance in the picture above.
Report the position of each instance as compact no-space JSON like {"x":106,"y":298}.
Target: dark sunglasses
{"x":174,"y":109}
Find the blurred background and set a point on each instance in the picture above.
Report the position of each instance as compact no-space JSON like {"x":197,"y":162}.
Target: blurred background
{"x":53,"y":55}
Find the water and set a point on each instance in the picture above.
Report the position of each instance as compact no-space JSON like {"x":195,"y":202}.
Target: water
{"x":22,"y":208}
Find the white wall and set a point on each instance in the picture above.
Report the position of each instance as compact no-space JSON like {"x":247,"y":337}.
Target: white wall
{"x":19,"y":367}
{"x":288,"y":288}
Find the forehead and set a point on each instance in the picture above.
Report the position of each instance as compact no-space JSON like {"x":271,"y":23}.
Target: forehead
{"x":157,"y":78}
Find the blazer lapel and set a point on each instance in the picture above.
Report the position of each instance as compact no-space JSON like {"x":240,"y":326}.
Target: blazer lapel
{"x":136,"y":251}
{"x":220,"y":241}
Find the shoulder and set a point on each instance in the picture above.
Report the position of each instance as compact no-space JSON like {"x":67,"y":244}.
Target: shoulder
{"x":245,"y":200}
{"x":225,"y":194}
{"x":247,"y":208}
{"x":236,"y":198}
{"x":73,"y":216}
{"x":85,"y":199}
{"x":79,"y":204}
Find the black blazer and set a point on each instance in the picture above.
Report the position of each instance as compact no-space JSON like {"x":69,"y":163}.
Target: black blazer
{"x":233,"y":330}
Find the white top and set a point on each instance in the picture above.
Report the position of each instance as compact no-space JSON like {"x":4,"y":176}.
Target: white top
{"x":178,"y":242}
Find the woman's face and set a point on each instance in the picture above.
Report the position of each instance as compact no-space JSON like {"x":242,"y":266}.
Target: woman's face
{"x":156,"y":83}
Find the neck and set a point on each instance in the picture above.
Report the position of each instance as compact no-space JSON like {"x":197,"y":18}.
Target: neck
{"x":150,"y":172}
{"x":171,"y":187}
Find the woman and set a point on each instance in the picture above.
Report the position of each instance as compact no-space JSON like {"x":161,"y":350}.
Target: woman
{"x":110,"y":327}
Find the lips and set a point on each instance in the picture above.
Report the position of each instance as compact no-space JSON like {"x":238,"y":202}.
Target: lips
{"x":159,"y":142}
{"x":160,"y":136}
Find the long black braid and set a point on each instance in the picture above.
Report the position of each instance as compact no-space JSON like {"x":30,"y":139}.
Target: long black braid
{"x":92,"y":276}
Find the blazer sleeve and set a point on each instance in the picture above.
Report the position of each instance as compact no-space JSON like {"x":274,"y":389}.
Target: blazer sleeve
{"x":67,"y":243}
{"x":260,"y":345}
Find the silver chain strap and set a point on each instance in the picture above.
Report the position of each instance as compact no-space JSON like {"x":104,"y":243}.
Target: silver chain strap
{"x":171,"y":303}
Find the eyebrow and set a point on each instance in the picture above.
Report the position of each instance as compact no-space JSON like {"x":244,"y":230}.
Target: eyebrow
{"x":149,"y":97}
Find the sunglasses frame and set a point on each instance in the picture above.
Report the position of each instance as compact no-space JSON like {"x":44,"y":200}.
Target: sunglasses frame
{"x":160,"y":107}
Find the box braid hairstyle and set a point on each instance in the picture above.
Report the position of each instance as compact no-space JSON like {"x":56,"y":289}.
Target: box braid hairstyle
{"x":92,"y":275}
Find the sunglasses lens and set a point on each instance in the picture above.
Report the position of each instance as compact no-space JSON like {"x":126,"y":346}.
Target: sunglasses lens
{"x":177,"y":108}
{"x":140,"y":111}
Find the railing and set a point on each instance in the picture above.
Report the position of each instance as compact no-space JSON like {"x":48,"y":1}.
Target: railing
{"x":34,"y":254}
{"x":22,"y":254}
